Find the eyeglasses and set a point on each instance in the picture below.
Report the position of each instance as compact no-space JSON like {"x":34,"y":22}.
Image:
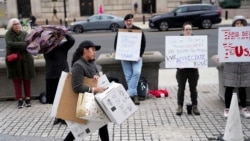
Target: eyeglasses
{"x":16,"y":24}
{"x":187,"y":29}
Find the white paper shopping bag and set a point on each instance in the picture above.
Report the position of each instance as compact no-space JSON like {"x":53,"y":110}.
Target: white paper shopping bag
{"x":87,"y":108}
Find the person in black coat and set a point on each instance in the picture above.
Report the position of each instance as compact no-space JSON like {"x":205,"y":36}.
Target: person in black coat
{"x":56,"y":62}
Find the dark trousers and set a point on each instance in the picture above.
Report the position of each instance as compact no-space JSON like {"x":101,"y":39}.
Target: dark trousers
{"x":182,"y":76}
{"x":51,"y":86}
{"x":242,"y":96}
{"x":103,"y":133}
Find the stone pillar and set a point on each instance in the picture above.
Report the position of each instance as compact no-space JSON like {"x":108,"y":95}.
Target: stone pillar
{"x":36,"y":8}
{"x":73,"y":9}
{"x":12,"y":9}
{"x":150,"y":69}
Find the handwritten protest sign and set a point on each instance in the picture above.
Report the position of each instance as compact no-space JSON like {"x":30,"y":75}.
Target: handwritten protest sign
{"x":128,"y":45}
{"x":234,"y":44}
{"x":185,"y":51}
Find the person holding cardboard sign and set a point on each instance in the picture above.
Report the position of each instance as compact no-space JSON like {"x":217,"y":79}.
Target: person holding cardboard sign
{"x":83,"y":65}
{"x":237,"y":75}
{"x":187,"y":74}
{"x":132,"y":69}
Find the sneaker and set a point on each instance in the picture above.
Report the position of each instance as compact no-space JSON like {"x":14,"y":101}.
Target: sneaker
{"x":179,"y":110}
{"x":195,"y":110}
{"x":27,"y":103}
{"x":20,"y":104}
{"x":245,"y":112}
{"x":226,"y":111}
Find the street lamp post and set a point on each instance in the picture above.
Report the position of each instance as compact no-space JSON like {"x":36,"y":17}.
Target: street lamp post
{"x":65,"y":13}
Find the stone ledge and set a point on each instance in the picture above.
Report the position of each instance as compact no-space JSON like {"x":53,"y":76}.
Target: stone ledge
{"x":37,"y":83}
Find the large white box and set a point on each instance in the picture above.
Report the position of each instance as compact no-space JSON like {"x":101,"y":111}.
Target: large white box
{"x":116,"y":103}
{"x":80,"y":130}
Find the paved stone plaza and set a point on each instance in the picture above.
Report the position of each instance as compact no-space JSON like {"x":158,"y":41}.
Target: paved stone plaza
{"x":155,"y":119}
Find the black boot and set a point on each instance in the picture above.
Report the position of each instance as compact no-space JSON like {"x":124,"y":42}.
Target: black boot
{"x":136,"y":100}
{"x":56,"y":121}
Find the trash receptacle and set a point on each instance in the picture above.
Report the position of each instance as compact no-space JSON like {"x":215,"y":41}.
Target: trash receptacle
{"x":220,"y":68}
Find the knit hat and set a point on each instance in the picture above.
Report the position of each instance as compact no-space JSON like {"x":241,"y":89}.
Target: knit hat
{"x":239,"y":17}
{"x":128,"y":16}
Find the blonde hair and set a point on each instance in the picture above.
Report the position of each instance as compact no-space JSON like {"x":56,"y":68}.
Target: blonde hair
{"x":11,"y":22}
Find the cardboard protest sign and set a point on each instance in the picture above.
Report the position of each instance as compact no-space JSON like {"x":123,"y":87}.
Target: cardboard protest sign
{"x":65,"y":102}
{"x":128,"y":45}
{"x":186,"y":52}
{"x":234,"y":44}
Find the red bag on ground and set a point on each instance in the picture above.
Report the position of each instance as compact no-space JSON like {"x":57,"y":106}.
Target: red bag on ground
{"x":159,"y":93}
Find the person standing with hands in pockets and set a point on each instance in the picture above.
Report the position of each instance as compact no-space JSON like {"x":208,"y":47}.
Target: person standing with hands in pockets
{"x":83,"y":65}
{"x":132,"y":69}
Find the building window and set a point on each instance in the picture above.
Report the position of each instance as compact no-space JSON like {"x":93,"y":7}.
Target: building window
{"x":86,"y":7}
{"x":24,"y":9}
{"x":148,"y":6}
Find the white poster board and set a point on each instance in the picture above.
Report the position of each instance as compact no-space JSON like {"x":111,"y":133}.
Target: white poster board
{"x":186,"y":52}
{"x":128,"y":45}
{"x":80,"y":131}
{"x":234,"y":44}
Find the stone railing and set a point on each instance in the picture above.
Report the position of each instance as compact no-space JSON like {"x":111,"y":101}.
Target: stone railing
{"x":37,"y":83}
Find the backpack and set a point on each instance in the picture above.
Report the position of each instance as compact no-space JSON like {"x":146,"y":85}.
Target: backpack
{"x":142,"y":88}
{"x":42,"y":98}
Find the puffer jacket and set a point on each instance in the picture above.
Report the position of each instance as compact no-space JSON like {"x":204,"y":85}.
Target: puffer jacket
{"x":236,"y":74}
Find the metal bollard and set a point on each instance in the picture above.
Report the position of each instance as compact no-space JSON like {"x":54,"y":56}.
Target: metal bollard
{"x":143,"y":19}
{"x":226,"y":14}
{"x":60,"y":21}
{"x":46,"y":21}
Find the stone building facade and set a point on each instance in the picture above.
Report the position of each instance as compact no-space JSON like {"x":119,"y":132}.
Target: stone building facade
{"x":80,"y":9}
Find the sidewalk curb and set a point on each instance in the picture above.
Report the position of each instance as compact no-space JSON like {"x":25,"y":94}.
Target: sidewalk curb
{"x":141,"y":25}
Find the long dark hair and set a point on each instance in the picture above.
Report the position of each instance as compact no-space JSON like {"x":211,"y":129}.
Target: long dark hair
{"x":77,"y":55}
